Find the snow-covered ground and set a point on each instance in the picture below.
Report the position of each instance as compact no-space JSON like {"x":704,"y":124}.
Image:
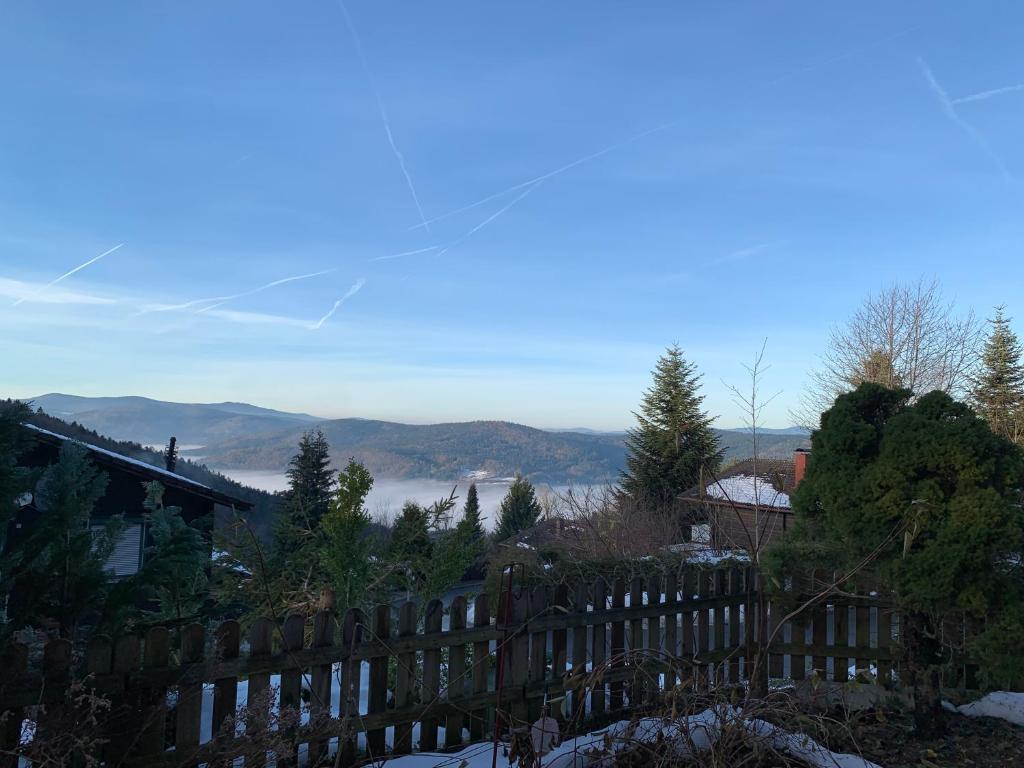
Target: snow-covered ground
{"x":1001,"y":704}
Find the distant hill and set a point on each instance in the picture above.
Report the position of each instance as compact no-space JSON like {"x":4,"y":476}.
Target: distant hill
{"x":242,"y":436}
{"x":152,"y":422}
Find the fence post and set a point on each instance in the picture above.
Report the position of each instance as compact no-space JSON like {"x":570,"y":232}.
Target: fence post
{"x":841,"y":640}
{"x":351,"y":673}
{"x":736,"y":587}
{"x":704,"y":587}
{"x":538,"y":609}
{"x":377,"y":689}
{"x":579,"y":654}
{"x":653,"y":643}
{"x":225,"y":690}
{"x":188,"y":723}
{"x":598,"y":698}
{"x":618,"y":649}
{"x":456,"y":673}
{"x":124,"y":720}
{"x":257,"y":702}
{"x":481,"y":666}
{"x":156,"y":655}
{"x":431,"y":676}
{"x":720,"y":590}
{"x":320,"y":678}
{"x":293,"y":637}
{"x":559,"y":647}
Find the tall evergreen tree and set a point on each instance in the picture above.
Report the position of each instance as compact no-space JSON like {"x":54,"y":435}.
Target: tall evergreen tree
{"x":14,"y":480}
{"x":471,"y":513}
{"x":519,"y":509}
{"x":410,"y":549}
{"x":673,"y":440}
{"x":310,"y":480}
{"x":998,"y":392}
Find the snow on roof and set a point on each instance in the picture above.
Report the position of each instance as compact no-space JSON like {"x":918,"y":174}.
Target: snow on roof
{"x":748,"y":489}
{"x":121,"y":457}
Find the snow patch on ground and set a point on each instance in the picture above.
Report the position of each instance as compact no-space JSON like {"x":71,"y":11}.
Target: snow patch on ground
{"x":1001,"y":704}
{"x":696,"y":733}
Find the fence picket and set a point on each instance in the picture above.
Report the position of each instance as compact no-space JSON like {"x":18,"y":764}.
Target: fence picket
{"x":377,"y":693}
{"x":672,"y":649}
{"x":618,"y":650}
{"x":257,"y":703}
{"x":599,"y":640}
{"x":841,"y":640}
{"x":293,"y":637}
{"x":156,"y":655}
{"x":481,"y":666}
{"x":559,"y":645}
{"x":736,"y":588}
{"x":652,"y":644}
{"x":351,"y":673}
{"x":456,"y":673}
{"x":320,"y":678}
{"x":187,"y":722}
{"x":225,"y":690}
{"x":538,"y":607}
{"x":431,"y":676}
{"x":13,"y":662}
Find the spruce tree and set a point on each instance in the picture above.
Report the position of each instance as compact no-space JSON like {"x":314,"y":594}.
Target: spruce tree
{"x":471,"y":513}
{"x":410,"y":549}
{"x":519,"y":509}
{"x":311,"y":482}
{"x":673,"y":440}
{"x":999,"y":386}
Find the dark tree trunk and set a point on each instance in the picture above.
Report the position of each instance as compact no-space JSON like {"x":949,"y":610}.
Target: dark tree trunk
{"x":923,"y":659}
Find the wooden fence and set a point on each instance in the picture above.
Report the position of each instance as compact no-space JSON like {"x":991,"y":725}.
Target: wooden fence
{"x":399,"y":679}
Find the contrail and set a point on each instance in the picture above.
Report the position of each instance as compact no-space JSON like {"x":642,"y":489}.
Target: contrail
{"x":951,"y":113}
{"x":52,"y":283}
{"x":549,"y":174}
{"x":225,"y":299}
{"x":989,"y":94}
{"x":487,"y":221}
{"x":405,"y":253}
{"x":348,"y":295}
{"x":383,"y":112}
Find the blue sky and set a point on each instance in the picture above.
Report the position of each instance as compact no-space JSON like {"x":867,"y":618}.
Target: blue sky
{"x":748,"y":171}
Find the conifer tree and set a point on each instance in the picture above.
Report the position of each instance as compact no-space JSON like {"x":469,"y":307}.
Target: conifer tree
{"x":673,"y":440}
{"x":347,"y":546}
{"x":14,"y":480}
{"x":471,"y":513}
{"x":410,"y":549}
{"x":519,"y":509}
{"x":311,"y":482}
{"x":998,"y":393}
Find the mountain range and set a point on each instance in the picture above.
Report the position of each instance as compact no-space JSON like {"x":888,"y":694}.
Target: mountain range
{"x":243,"y":436}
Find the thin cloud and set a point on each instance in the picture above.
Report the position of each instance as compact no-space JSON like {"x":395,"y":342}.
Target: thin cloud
{"x":487,"y":221}
{"x":356,"y":287}
{"x":556,"y":172}
{"x":383,"y":112}
{"x":744,"y":253}
{"x":256,"y":318}
{"x":989,"y":94}
{"x":950,"y":111}
{"x":225,"y":299}
{"x":405,"y":253}
{"x":35,"y":293}
{"x":82,"y":266}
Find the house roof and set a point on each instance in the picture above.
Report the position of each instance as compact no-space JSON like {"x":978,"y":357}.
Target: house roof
{"x":142,"y":469}
{"x":749,"y":482}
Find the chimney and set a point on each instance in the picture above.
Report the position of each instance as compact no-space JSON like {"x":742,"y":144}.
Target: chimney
{"x":171,"y":454}
{"x":800,"y":456}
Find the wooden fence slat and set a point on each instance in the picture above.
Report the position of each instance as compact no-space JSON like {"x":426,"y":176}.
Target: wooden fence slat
{"x":720,"y":589}
{"x":56,"y":674}
{"x":187,"y":723}
{"x":293,"y":638}
{"x":819,"y":639}
{"x":153,"y":701}
{"x":884,"y":640}
{"x":705,"y":587}
{"x":377,"y":693}
{"x":123,"y":721}
{"x":559,"y":644}
{"x":431,"y":676}
{"x":456,"y":688}
{"x":405,"y":677}
{"x":672,"y":649}
{"x":481,"y":666}
{"x":225,"y":690}
{"x":635,"y":644}
{"x":862,"y":629}
{"x":652,"y":683}
{"x":688,"y":623}
{"x":840,"y":638}
{"x":738,"y":588}
{"x":320,"y":679}
{"x":518,"y":673}
{"x":257,"y":702}
{"x":538,"y":603}
{"x":599,"y":653}
{"x":580,"y":601}
{"x":351,"y":673}
{"x":776,"y":661}
{"x":618,"y":650}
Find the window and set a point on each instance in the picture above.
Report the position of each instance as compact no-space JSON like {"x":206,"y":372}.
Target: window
{"x":127,"y":554}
